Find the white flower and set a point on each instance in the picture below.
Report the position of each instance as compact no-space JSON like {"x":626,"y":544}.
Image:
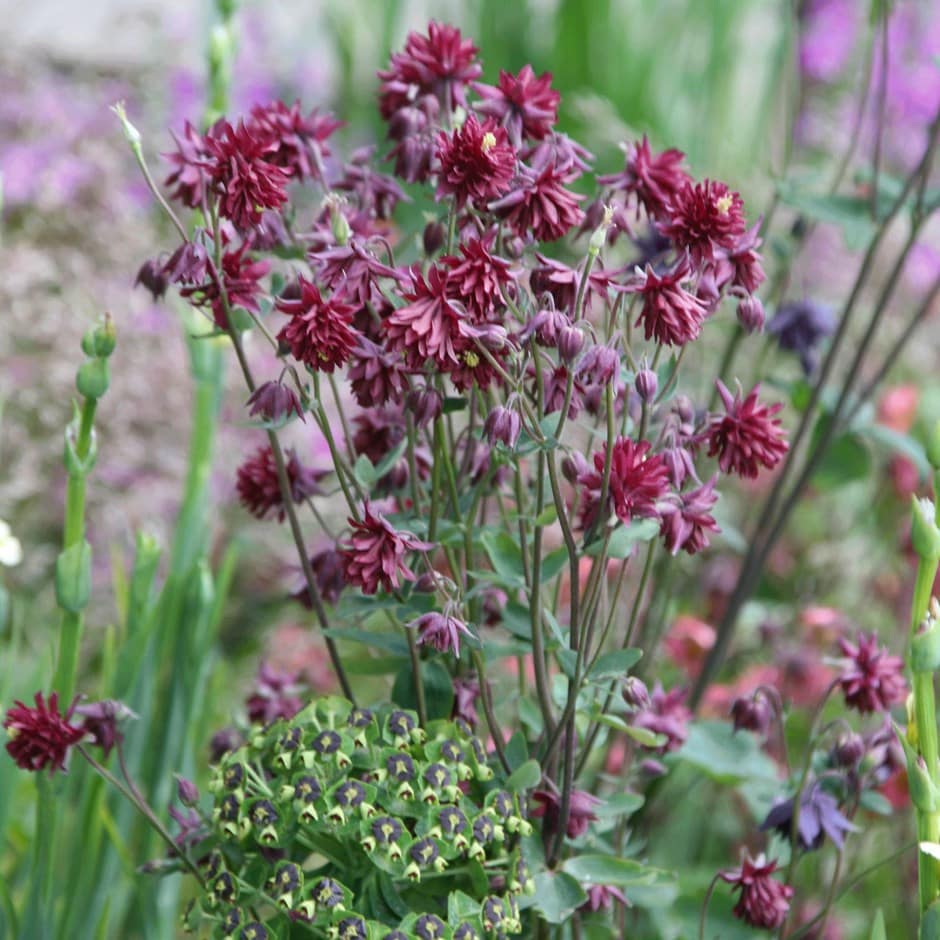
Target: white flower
{"x":11,"y":552}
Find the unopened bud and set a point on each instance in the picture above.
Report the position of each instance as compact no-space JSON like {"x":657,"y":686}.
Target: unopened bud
{"x":849,"y":750}
{"x":502,"y":425}
{"x":131,"y":134}
{"x":646,"y":385}
{"x":751,"y":314}
{"x":933,"y":447}
{"x":570,"y":341}
{"x":93,"y":378}
{"x":186,"y":791}
{"x":573,"y":466}
{"x":99,"y":342}
{"x":433,"y":238}
{"x":635,"y":693}
{"x":925,"y":534}
{"x":599,"y":235}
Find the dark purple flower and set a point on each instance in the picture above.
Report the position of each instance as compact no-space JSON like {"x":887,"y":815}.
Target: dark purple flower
{"x":670,"y":314}
{"x":352,"y":269}
{"x":537,"y":201}
{"x":646,"y":384}
{"x":502,"y":424}
{"x":224,"y":742}
{"x":277,"y":694}
{"x":653,"y":180}
{"x":560,"y":280}
{"x":376,"y":193}
{"x":187,"y":265}
{"x":41,"y":737}
{"x":602,"y":897}
{"x":526,"y":105}
{"x":259,"y":488}
{"x":477,"y":163}
{"x":750,"y":313}
{"x":479,"y":279}
{"x":872,"y":680}
{"x":442,"y":631}
{"x":240,"y":170}
{"x":686,"y":527}
{"x":187,"y":179}
{"x":274,"y":402}
{"x":752,"y":712}
{"x":375,"y":555}
{"x":705,"y":218}
{"x":299,"y":140}
{"x":153,"y":277}
{"x":466,"y":693}
{"x":764,"y":901}
{"x":799,"y":326}
{"x":747,"y":436}
{"x":376,"y":374}
{"x":102,"y":720}
{"x":580,"y":810}
{"x":819,"y":817}
{"x":666,"y":715}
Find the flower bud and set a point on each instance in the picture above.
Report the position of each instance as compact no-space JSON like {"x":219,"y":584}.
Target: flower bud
{"x":933,"y":447}
{"x":425,"y":405}
{"x":99,"y":342}
{"x":573,"y":466}
{"x":751,"y":314}
{"x":503,"y":425}
{"x":849,"y":750}
{"x":433,"y":238}
{"x":599,"y":235}
{"x":646,"y":385}
{"x":925,"y":534}
{"x":339,"y":223}
{"x":186,"y":791}
{"x":131,"y":134}
{"x":635,"y":693}
{"x":93,"y":378}
{"x":751,"y":713}
{"x":570,"y":341}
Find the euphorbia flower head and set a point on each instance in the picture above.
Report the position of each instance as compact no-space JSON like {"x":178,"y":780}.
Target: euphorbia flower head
{"x":747,"y":436}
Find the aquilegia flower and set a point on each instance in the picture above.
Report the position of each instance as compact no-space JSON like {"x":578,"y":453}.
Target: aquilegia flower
{"x":526,"y":105}
{"x":259,"y":488}
{"x":747,"y":436}
{"x":819,"y":817}
{"x":41,"y":737}
{"x":580,"y":810}
{"x":705,"y":218}
{"x":653,"y":180}
{"x":764,"y":901}
{"x":442,"y":631}
{"x":477,"y":163}
{"x":274,"y":402}
{"x":799,"y":327}
{"x":686,"y":528}
{"x":872,"y":680}
{"x":670,"y":314}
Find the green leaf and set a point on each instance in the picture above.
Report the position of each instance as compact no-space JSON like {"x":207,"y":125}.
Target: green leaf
{"x":552,"y":563}
{"x":547,"y":516}
{"x":615,"y":664}
{"x":374,"y":665}
{"x":878,"y":931}
{"x":438,"y":689}
{"x":899,"y":443}
{"x":460,"y":907}
{"x":850,"y":213}
{"x":846,"y":459}
{"x":643,"y":736}
{"x":625,"y":538}
{"x":525,"y":777}
{"x":395,"y":645}
{"x":726,"y":757}
{"x":504,"y":555}
{"x":930,"y":923}
{"x":876,"y":802}
{"x":620,"y":805}
{"x":556,"y":896}
{"x":608,"y":870}
{"x":365,"y":472}
{"x":517,"y":751}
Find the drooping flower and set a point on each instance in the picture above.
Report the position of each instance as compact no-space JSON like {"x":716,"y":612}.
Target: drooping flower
{"x":764,"y":901}
{"x":41,"y":737}
{"x":274,"y":402}
{"x":502,"y":424}
{"x":259,"y":489}
{"x":413,"y":127}
{"x":442,"y":631}
{"x":580,"y":810}
{"x":187,"y":180}
{"x":686,"y":528}
{"x":638,"y":482}
{"x":375,"y":193}
{"x":705,"y":218}
{"x":441,"y":63}
{"x":753,"y":712}
{"x":477,"y":163}
{"x":819,"y":817}
{"x":526,"y":105}
{"x":241,"y":172}
{"x":799,"y":326}
{"x":466,"y":693}
{"x":667,"y":715}
{"x":276,"y":694}
{"x":376,"y":374}
{"x":602,"y":897}
{"x":320,"y":332}
{"x":872,"y":680}
{"x":102,"y":720}
{"x":352,"y":269}
{"x":152,"y":276}
{"x":299,"y":140}
{"x":670,"y":314}
{"x":653,"y":180}
{"x":375,"y":555}
{"x":747,"y":436}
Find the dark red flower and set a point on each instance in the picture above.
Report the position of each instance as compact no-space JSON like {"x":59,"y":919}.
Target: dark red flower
{"x":329,"y":577}
{"x":747,"y":436}
{"x":101,"y":721}
{"x":240,"y":277}
{"x":670,"y":314}
{"x":353,"y":269}
{"x":686,"y":528}
{"x":526,"y":105}
{"x":274,"y":402}
{"x":241,"y":170}
{"x":299,"y":140}
{"x":276,"y":695}
{"x":764,"y":901}
{"x":259,"y":489}
{"x":414,"y":127}
{"x":537,"y":201}
{"x":375,"y":193}
{"x":580,"y":810}
{"x":153,"y":277}
{"x":872,"y":679}
{"x":41,"y":737}
{"x":562,"y":282}
{"x":428,"y":327}
{"x":746,"y":260}
{"x":477,"y":163}
{"x":379,"y":432}
{"x":479,"y":278}
{"x":375,"y":555}
{"x":441,"y":631}
{"x":654,"y":180}
{"x":376,"y":374}
{"x":441,"y":63}
{"x":320,"y":332}
{"x":753,"y":712}
{"x":602,"y":897}
{"x":466,"y":693}
{"x":638,"y":483}
{"x":705,"y":218}
{"x":666,"y":715}
{"x":188,"y":177}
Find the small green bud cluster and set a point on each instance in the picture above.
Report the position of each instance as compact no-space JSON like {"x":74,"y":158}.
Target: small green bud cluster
{"x":93,"y":375}
{"x":353,"y":820}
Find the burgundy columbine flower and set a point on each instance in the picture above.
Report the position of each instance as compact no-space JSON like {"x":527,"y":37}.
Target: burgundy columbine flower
{"x":764,"y":901}
{"x":638,"y":482}
{"x":187,"y":179}
{"x":188,"y":264}
{"x":666,"y":715}
{"x":872,"y":679}
{"x":441,"y":63}
{"x":479,"y":278}
{"x":41,"y":737}
{"x":502,"y":424}
{"x":101,"y":721}
{"x":569,"y":158}
{"x":375,"y":193}
{"x":799,"y":327}
{"x":752,"y":712}
{"x":747,"y":436}
{"x":537,"y":201}
{"x":670,"y":314}
{"x":466,"y":693}
{"x":686,"y":528}
{"x":353,"y":269}
{"x":581,"y":808}
{"x":299,"y":140}
{"x":376,"y":374}
{"x":320,"y":333}
{"x":477,"y":163}
{"x":274,"y":402}
{"x":241,"y":171}
{"x":258,"y":487}
{"x":375,"y":555}
{"x":602,"y":897}
{"x":441,"y":631}
{"x":428,"y":327}
{"x":240,"y":277}
{"x":746,"y":261}
{"x":379,"y":431}
{"x":276,"y":694}
{"x":562,"y":282}
{"x":654,"y":180}
{"x":705,"y":218}
{"x":526,"y":105}
{"x":152,"y":276}
{"x":413,"y":127}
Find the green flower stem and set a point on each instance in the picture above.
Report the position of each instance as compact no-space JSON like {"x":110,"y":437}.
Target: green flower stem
{"x":416,"y":674}
{"x":727,"y":360}
{"x":71,"y":627}
{"x":487,"y":700}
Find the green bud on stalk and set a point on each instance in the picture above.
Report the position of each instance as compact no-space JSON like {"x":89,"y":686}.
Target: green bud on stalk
{"x":925,"y":533}
{"x":93,"y":378}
